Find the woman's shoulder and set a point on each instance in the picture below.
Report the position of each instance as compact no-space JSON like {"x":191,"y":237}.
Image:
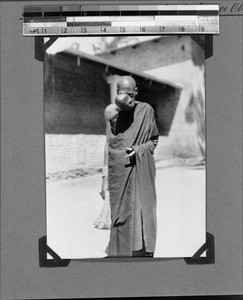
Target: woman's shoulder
{"x":110,"y":111}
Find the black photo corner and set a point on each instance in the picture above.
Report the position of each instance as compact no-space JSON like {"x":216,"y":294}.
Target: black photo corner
{"x":56,"y":261}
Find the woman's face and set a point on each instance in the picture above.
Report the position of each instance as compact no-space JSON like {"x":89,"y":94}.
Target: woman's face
{"x":124,"y":100}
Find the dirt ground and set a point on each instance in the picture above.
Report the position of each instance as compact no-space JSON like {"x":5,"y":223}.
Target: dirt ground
{"x":74,"y":204}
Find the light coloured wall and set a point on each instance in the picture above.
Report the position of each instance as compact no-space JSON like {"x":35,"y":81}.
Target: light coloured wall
{"x":182,"y":140}
{"x":66,"y":152}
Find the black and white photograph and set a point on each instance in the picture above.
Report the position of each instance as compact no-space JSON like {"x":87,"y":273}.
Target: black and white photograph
{"x":125,"y":158}
{"x":121,"y":149}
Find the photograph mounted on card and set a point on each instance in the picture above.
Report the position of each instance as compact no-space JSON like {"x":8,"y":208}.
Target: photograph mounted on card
{"x":125,"y":146}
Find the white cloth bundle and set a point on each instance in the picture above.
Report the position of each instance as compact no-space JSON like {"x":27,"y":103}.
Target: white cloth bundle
{"x":103,"y":221}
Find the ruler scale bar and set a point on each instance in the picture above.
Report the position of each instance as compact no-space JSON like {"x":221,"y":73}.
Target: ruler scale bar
{"x":120,"y":19}
{"x":120,"y":13}
{"x":83,"y":31}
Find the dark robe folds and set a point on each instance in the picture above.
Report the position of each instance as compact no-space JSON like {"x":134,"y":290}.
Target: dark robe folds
{"x":132,"y":181}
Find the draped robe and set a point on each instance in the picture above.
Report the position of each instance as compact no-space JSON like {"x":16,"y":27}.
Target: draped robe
{"x":132,"y":181}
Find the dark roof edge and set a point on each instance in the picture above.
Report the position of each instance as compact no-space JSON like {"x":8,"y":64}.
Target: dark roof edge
{"x":105,"y":62}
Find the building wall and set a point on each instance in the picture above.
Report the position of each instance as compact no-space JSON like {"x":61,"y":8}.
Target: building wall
{"x":147,"y":55}
{"x":79,"y":153}
{"x":76,"y":94}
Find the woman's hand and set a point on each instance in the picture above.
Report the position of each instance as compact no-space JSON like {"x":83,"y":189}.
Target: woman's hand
{"x":130,"y":152}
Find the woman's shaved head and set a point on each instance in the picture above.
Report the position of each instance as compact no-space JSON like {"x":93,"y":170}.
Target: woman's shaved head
{"x":126,"y":83}
{"x":126,"y":92}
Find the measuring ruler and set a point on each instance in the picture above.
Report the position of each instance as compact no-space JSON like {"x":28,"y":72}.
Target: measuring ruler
{"x":83,"y":20}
